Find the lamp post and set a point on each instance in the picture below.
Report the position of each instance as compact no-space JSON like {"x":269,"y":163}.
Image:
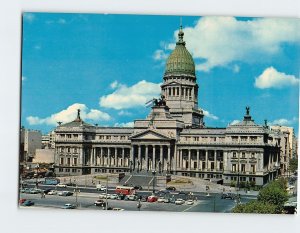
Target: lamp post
{"x":76,"y":190}
{"x":153,"y":173}
{"x":37,"y":174}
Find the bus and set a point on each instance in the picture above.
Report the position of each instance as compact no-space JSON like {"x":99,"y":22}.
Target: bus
{"x":51,"y":181}
{"x":126,"y":190}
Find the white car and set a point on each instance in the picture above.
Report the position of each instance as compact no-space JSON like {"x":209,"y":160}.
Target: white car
{"x":114,"y":196}
{"x":102,"y":195}
{"x":117,"y":209}
{"x":179,"y":201}
{"x":52,"y":192}
{"x":190,"y":202}
{"x":161,"y":200}
{"x":61,"y":185}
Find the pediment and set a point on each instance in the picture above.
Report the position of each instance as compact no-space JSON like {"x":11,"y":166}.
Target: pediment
{"x":150,"y":135}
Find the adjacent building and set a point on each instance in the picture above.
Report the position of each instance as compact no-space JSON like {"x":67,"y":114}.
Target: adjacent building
{"x":172,"y":138}
{"x":30,"y":140}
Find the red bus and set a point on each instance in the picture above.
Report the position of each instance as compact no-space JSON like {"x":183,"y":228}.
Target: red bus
{"x":126,"y":190}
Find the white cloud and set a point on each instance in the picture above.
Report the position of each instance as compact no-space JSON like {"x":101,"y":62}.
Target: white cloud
{"x":209,"y":115}
{"x":70,"y":114}
{"x":125,"y":97}
{"x":160,"y":55}
{"x":272,"y":78}
{"x":29,"y":17}
{"x":114,"y":84}
{"x":221,"y":41}
{"x":284,"y":121}
{"x":124,"y":113}
{"x":234,"y":122}
{"x":128,"y":124}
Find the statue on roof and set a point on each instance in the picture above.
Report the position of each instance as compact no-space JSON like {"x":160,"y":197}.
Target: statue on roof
{"x":160,"y":102}
{"x":247,"y":110}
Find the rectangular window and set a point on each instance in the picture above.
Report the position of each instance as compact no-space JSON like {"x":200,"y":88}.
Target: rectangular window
{"x":203,"y":165}
{"x":243,"y":167}
{"x":69,"y":136}
{"x":234,"y":155}
{"x":212,"y":165}
{"x":67,"y":169}
{"x":75,"y":161}
{"x":69,"y":149}
{"x":69,"y":161}
{"x":253,"y":168}
{"x":243,"y":155}
{"x":61,"y":170}
{"x":221,"y":166}
{"x":177,"y":90}
{"x":61,"y":161}
{"x":75,"y":150}
{"x":108,"y":137}
{"x":234,"y":138}
{"x":233,"y":167}
{"x":75,"y":136}
{"x":74,"y":170}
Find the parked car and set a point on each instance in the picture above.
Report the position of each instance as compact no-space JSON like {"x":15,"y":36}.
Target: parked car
{"x":21,"y":201}
{"x":52,"y":192}
{"x":179,"y":201}
{"x":183,"y":193}
{"x":161,"y":200}
{"x":65,"y":193}
{"x":47,"y":191}
{"x":190,"y":202}
{"x":69,"y":206}
{"x":144,"y":198}
{"x":130,"y":197}
{"x":100,"y":187}
{"x":117,"y":209}
{"x":61,"y":185}
{"x":114,"y":196}
{"x":34,"y":191}
{"x":163,"y":192}
{"x":28,"y":203}
{"x":71,"y":184}
{"x":152,"y":198}
{"x":171,"y":188}
{"x":100,"y":203}
{"x":228,"y":196}
{"x":121,"y":196}
{"x":137,"y":187}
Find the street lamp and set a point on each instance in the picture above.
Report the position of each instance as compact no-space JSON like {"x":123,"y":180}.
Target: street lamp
{"x":76,"y":191}
{"x":153,"y":173}
{"x":37,"y":174}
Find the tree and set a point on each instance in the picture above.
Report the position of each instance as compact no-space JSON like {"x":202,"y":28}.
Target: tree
{"x":256,"y":207}
{"x":293,"y":165}
{"x":270,"y":199}
{"x":275,"y":194}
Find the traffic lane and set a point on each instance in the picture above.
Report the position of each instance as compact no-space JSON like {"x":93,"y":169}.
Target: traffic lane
{"x":88,"y":203}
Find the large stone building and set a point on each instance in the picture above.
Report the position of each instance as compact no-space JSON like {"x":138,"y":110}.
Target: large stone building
{"x":172,"y":139}
{"x":30,"y":140}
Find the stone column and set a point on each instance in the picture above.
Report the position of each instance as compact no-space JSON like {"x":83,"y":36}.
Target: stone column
{"x":140,"y":158}
{"x":131,"y":155}
{"x":161,"y":157}
{"x":189,"y":159}
{"x":108,"y":156}
{"x":206,"y":159}
{"x":169,"y":158}
{"x":153,"y":161}
{"x":101,"y":157}
{"x":123,"y":157}
{"x":146,"y":158}
{"x":215,"y":160}
{"x":116,"y":157}
{"x":198,"y":161}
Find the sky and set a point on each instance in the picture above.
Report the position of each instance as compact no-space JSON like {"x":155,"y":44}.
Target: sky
{"x":109,"y":66}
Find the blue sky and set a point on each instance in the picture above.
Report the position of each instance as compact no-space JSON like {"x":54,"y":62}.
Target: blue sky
{"x":110,"y":65}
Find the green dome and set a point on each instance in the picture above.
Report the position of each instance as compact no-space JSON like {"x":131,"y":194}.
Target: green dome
{"x":180,"y":61}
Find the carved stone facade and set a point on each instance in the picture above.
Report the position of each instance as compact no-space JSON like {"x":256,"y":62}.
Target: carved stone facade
{"x":172,"y":139}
